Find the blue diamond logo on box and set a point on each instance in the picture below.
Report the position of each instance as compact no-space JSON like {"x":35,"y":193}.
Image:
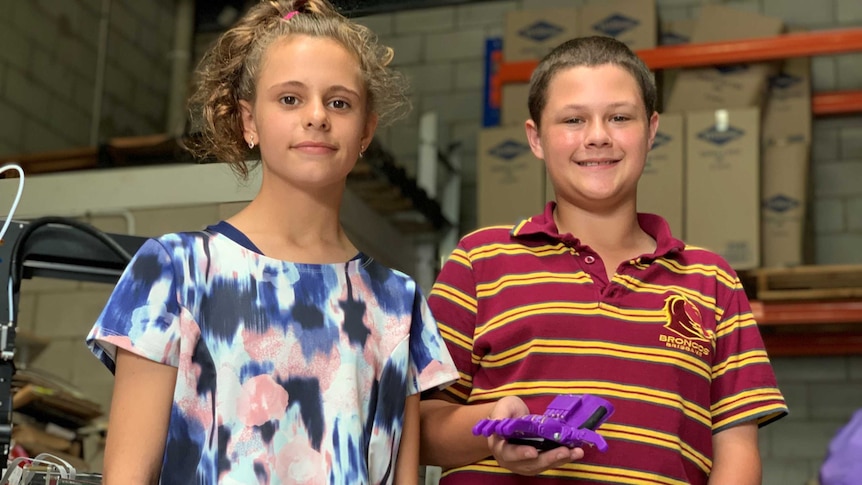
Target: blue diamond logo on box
{"x":731,"y":68}
{"x":615,"y":24}
{"x":780,"y":203}
{"x":660,"y":139}
{"x":540,"y":31}
{"x":673,"y":38}
{"x":716,"y":137}
{"x":509,"y":150}
{"x":783,"y":81}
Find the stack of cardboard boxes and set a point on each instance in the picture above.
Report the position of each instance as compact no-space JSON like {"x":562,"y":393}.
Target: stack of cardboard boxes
{"x":786,"y":159}
{"x":729,"y":165}
{"x":747,"y":132}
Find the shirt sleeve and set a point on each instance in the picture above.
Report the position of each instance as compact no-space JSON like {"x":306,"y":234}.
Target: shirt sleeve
{"x":429,"y":358}
{"x":743,"y":382}
{"x":453,"y":303}
{"x":142,"y":314}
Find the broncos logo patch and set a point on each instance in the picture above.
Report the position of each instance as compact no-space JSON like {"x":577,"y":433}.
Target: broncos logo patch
{"x":686,"y":323}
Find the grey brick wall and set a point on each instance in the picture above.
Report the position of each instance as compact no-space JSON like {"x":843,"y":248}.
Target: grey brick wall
{"x":48,"y":67}
{"x":822,"y":394}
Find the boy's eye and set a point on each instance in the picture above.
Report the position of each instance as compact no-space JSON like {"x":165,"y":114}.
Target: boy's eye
{"x":573,"y":120}
{"x":620,"y":118}
{"x":288,"y":100}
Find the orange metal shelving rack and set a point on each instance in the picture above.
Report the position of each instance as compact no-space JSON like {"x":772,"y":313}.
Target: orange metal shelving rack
{"x":798,"y":44}
{"x":793,"y":328}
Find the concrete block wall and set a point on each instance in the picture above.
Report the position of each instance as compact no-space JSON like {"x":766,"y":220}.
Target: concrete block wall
{"x":822,"y":394}
{"x":48,"y":72}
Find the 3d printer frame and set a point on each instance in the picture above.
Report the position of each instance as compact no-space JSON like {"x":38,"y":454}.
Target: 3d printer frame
{"x":51,"y":247}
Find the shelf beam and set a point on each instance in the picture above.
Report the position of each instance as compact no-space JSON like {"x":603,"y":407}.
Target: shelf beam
{"x":768,"y":313}
{"x":796,"y":328}
{"x":836,"y":103}
{"x":797,"y":44}
{"x":795,"y":345}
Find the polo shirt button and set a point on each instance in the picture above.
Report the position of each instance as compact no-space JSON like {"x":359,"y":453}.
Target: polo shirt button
{"x":590,"y":260}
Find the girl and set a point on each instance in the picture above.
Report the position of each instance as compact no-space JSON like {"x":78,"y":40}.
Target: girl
{"x":268,"y":349}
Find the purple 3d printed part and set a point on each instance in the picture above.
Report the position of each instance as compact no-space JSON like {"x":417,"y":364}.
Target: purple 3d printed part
{"x":569,"y":421}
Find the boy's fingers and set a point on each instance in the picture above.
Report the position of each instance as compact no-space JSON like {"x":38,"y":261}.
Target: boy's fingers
{"x":559,"y":457}
{"x":508,"y":452}
{"x":526,"y":460}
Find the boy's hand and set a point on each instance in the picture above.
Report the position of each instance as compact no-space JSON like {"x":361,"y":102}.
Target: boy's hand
{"x":524,"y":459}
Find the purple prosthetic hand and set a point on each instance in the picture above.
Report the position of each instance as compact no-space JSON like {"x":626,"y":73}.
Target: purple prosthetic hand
{"x":568,"y":421}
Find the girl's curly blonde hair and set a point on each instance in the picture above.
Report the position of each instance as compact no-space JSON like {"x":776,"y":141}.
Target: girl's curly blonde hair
{"x":228,"y":72}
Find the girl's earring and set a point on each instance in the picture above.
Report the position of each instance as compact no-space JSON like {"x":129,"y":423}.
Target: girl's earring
{"x":361,"y":151}
{"x":251,"y":144}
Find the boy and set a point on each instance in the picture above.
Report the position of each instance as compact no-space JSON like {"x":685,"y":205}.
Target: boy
{"x":591,"y":297}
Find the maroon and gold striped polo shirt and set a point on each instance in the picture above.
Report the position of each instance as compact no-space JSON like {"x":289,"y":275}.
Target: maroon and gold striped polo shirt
{"x":670,"y":341}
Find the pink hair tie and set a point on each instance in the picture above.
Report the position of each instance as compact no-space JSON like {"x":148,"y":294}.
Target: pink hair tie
{"x":289,"y":15}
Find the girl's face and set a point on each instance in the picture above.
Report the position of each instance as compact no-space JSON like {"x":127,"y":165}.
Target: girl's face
{"x":594,"y":135}
{"x":309,"y":114}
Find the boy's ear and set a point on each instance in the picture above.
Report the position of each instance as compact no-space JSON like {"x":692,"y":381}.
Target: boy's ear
{"x":534,"y":139}
{"x":653,"y":128}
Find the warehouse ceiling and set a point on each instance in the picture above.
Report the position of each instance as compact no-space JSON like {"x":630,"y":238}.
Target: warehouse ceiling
{"x":216,"y":15}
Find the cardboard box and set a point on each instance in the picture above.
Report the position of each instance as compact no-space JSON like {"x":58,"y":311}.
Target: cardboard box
{"x":510,"y":182}
{"x":660,"y":189}
{"x":530,"y":34}
{"x":513,"y":108}
{"x":722,"y":173}
{"x":676,"y":32}
{"x":632,"y":22}
{"x":785,"y":201}
{"x":787,"y":112}
{"x":726,"y":86}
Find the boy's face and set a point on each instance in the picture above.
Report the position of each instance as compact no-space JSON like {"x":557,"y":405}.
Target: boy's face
{"x":594,"y":136}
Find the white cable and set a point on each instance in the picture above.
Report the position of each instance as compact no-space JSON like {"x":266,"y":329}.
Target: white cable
{"x":11,"y":302}
{"x":17,"y":168}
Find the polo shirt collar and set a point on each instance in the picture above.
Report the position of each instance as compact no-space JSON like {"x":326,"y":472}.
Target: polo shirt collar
{"x":544,"y":225}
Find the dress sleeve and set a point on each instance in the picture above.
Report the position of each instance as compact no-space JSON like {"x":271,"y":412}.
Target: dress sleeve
{"x":743,"y":384}
{"x":431,"y":363}
{"x":453,"y":303}
{"x":142,"y":314}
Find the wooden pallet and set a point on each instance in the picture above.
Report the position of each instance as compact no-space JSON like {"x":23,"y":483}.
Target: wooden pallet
{"x":818,"y":282}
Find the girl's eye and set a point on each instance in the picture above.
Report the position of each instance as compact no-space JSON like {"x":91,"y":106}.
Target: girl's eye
{"x":339,"y":104}
{"x":288,"y":100}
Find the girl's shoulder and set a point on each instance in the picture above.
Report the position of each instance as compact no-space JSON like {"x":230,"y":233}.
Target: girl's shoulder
{"x":181,"y":244}
{"x":175,"y":249}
